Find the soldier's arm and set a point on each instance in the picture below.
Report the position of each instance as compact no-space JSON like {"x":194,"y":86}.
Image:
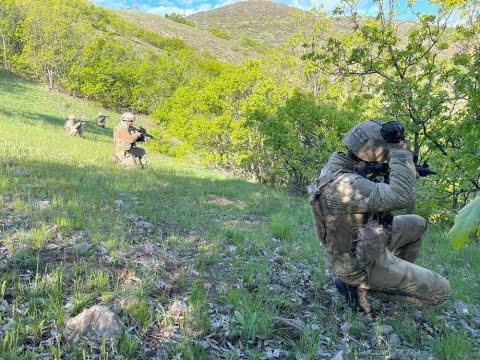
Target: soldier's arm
{"x":123,"y":134}
{"x":401,"y":191}
{"x":352,"y":193}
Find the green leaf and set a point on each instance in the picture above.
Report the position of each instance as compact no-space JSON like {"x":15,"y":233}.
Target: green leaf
{"x":465,"y":223}
{"x":240,"y":318}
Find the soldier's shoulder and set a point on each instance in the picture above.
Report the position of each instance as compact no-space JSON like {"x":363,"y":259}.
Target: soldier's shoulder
{"x":349,"y":177}
{"x":353,"y":183}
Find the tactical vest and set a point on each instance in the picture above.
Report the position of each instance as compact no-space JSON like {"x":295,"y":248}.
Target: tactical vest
{"x":120,"y":144}
{"x":337,"y":232}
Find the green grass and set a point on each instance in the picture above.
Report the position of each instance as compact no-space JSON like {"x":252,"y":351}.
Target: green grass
{"x":238,"y":254}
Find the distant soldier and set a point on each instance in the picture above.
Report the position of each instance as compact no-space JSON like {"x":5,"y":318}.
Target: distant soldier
{"x":74,"y":126}
{"x":125,"y":137}
{"x":101,"y":120}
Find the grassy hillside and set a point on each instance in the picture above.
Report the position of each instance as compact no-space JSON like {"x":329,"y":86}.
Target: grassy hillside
{"x":199,"y":39}
{"x":267,"y":23}
{"x":261,"y":20}
{"x":196,"y":263}
{"x":245,"y":29}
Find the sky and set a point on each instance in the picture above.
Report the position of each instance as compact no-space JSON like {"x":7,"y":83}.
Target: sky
{"x":188,"y":7}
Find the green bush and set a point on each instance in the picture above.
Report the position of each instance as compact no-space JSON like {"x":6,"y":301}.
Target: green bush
{"x":219,"y":33}
{"x":179,"y":19}
{"x":255,"y":45}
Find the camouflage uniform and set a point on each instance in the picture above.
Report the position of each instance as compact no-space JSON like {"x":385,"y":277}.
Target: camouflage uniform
{"x":125,"y":138}
{"x":364,"y":246}
{"x":101,"y":120}
{"x":73,"y":126}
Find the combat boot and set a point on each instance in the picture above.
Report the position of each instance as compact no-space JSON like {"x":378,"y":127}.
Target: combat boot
{"x":349,"y":292}
{"x":355,"y":297}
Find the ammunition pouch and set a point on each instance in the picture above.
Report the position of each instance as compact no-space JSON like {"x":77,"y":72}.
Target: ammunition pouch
{"x":371,"y":243}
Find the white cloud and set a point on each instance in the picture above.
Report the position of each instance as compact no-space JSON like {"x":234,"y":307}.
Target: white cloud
{"x":162,"y":10}
{"x":328,"y":5}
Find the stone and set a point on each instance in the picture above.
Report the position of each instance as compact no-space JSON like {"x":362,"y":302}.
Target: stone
{"x":394,"y":340}
{"x":345,"y":328}
{"x":178,"y":308}
{"x":341,"y":355}
{"x":460,"y":307}
{"x":385,"y":329}
{"x":97,"y":322}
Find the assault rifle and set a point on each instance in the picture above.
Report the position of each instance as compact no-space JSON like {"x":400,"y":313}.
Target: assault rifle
{"x":373,"y":170}
{"x":80,"y":122}
{"x":144,"y":134}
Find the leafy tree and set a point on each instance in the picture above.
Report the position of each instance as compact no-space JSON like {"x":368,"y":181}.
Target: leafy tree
{"x":89,"y":51}
{"x":53,"y":34}
{"x":100,"y":76}
{"x":204,"y":115}
{"x":209,"y":116}
{"x":300,"y":136}
{"x":403,"y":73}
{"x":10,"y":15}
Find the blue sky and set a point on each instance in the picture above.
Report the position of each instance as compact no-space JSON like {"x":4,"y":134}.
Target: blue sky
{"x":188,"y":7}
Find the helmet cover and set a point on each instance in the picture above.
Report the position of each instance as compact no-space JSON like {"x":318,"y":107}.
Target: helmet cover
{"x":128,"y":116}
{"x":371,"y":140}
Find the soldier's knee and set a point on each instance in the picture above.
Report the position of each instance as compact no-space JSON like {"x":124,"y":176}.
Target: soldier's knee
{"x":413,"y":224}
{"x":421,"y":222}
{"x":141,"y":153}
{"x":410,"y":219}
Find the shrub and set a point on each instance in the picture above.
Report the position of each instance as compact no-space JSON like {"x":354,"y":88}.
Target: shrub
{"x":219,"y":33}
{"x":179,"y":19}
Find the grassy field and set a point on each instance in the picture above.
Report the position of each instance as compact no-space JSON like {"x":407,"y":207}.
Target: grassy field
{"x":196,"y":263}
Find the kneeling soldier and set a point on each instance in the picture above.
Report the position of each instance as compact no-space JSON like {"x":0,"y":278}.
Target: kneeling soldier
{"x":125,"y":138}
{"x":366,"y":247}
{"x":73,"y":126}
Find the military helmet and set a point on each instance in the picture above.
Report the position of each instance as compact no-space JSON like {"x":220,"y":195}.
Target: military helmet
{"x":72,"y":117}
{"x":128,"y":116}
{"x":371,"y":140}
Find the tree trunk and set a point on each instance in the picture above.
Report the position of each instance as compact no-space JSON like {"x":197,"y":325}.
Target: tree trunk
{"x":50,"y":78}
{"x":416,"y":144}
{"x":5,"y":60}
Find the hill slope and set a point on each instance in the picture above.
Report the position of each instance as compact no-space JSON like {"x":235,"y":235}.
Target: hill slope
{"x":196,"y":264}
{"x":197,"y":38}
{"x":262,"y":20}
